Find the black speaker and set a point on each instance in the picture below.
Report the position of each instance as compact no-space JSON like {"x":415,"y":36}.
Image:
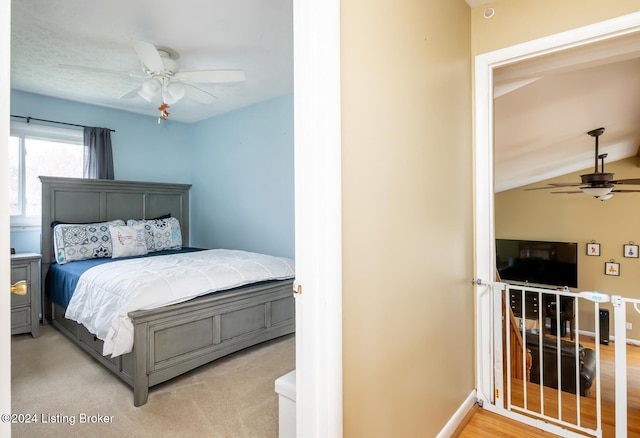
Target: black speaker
{"x":604,"y":326}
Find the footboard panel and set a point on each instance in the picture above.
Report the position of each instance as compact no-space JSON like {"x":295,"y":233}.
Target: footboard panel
{"x":188,"y":336}
{"x":171,"y":341}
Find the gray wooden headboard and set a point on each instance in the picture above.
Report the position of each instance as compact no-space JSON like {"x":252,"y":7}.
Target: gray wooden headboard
{"x":76,"y":200}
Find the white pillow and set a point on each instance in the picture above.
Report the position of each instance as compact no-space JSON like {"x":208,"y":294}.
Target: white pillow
{"x":128,"y":241}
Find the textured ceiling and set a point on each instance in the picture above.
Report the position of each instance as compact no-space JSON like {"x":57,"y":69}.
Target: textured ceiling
{"x":252,"y":35}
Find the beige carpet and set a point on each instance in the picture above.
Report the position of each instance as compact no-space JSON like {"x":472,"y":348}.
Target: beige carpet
{"x":231,"y":397}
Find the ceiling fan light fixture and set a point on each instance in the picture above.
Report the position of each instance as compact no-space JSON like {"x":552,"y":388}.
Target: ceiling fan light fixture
{"x":597,"y":191}
{"x":149,"y":89}
{"x":605,"y":197}
{"x":174,"y":92}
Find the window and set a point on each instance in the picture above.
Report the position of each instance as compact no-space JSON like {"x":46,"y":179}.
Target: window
{"x":35,"y":151}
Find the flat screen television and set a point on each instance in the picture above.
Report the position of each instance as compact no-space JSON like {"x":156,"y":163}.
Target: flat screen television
{"x":537,"y":262}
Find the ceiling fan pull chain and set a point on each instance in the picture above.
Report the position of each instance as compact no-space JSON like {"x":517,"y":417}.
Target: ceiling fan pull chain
{"x":164,"y":114}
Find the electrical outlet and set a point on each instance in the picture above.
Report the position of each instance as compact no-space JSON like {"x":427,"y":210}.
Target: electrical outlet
{"x":629,"y":326}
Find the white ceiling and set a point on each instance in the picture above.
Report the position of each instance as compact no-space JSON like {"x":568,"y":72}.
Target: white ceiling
{"x":543,"y":109}
{"x":252,"y":35}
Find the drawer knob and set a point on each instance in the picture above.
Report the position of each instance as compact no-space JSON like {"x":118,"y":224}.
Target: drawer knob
{"x":19,"y":288}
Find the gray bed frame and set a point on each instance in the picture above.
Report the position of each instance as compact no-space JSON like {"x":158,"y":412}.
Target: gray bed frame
{"x":171,"y":340}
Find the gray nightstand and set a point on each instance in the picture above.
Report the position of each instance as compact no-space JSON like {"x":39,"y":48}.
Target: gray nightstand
{"x":25,"y":309}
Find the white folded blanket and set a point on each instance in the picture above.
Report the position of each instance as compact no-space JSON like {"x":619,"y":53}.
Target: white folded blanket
{"x":106,"y":293}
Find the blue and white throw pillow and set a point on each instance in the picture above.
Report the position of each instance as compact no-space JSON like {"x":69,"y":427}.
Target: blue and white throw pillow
{"x":74,"y":242}
{"x":161,"y":234}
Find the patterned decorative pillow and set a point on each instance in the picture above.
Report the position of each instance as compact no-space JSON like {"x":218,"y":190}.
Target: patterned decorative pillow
{"x":161,"y":233}
{"x":73,"y":242}
{"x":128,"y":241}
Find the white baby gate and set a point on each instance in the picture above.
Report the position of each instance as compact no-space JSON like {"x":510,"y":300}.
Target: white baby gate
{"x":543,"y":403}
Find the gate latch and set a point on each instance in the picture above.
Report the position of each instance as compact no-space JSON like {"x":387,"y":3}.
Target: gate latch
{"x":595,"y":296}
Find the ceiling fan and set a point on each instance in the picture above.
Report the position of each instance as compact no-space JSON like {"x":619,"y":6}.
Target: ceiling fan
{"x":599,"y":183}
{"x":165,"y":83}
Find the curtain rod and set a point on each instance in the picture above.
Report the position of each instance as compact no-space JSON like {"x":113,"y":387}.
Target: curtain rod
{"x":28,"y":119}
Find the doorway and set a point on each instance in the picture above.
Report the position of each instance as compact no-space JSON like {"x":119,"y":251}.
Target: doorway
{"x":485,"y":266}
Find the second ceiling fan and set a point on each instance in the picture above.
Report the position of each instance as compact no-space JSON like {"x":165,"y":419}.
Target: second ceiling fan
{"x":599,"y":183}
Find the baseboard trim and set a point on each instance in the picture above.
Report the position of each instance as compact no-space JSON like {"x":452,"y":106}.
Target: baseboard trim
{"x":458,"y":417}
{"x":612,"y":338}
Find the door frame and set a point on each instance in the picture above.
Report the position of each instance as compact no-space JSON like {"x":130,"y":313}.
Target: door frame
{"x":318,"y":218}
{"x":5,"y":299}
{"x":484,"y":224}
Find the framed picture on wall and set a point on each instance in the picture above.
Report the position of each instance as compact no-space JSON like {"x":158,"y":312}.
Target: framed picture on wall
{"x":612,"y":268}
{"x":593,"y":249}
{"x":631,"y":250}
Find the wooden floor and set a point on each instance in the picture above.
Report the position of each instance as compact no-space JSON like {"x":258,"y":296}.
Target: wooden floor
{"x":484,"y":423}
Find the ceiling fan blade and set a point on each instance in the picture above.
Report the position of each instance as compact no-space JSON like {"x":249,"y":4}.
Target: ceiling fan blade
{"x":211,"y":76}
{"x":555,"y":186}
{"x":634,"y":181}
{"x":571,"y":192}
{"x":131,"y":94}
{"x":199,"y":94}
{"x":149,"y":56}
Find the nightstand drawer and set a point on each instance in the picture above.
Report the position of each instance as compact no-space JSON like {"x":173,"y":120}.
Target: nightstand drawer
{"x":21,"y":272}
{"x":21,"y":300}
{"x":21,"y":317}
{"x":25,"y":309}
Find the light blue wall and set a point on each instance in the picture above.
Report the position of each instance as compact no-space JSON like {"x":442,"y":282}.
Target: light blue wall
{"x":240,"y":165}
{"x":242,"y":195}
{"x":25,"y":241}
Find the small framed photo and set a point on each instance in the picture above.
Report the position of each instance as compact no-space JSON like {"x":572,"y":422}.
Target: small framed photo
{"x":612,"y":268}
{"x":631,"y":250}
{"x":593,"y":249}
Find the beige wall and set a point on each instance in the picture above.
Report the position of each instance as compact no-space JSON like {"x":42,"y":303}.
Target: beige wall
{"x":517,"y":21}
{"x":407,"y":215}
{"x":407,"y":237}
{"x":539,"y":215}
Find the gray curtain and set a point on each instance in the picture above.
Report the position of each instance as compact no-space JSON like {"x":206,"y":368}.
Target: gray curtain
{"x":98,"y":158}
